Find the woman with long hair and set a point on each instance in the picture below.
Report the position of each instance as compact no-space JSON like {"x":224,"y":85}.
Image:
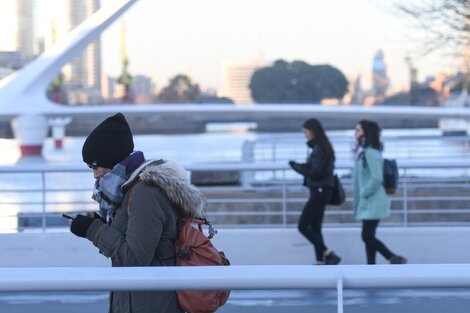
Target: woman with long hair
{"x":371,"y":203}
{"x":318,"y":177}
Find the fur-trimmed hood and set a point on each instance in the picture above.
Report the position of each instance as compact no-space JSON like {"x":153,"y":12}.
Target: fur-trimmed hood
{"x":174,"y":181}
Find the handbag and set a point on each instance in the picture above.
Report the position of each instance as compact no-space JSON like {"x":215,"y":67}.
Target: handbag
{"x":338,"y":196}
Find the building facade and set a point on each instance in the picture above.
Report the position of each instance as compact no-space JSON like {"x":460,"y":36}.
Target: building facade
{"x":17,"y":24}
{"x":380,"y":80}
{"x":83,"y":73}
{"x":236,"y":81}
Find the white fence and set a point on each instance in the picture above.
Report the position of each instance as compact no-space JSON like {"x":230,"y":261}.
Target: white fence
{"x":236,"y":278}
{"x":431,"y":192}
{"x":285,"y":147}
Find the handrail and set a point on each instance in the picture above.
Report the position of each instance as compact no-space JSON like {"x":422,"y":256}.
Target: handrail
{"x":247,"y":277}
{"x":267,"y":277}
{"x":270,"y":192}
{"x":239,"y":166}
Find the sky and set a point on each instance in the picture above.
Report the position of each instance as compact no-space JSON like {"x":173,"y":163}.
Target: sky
{"x":199,"y":38}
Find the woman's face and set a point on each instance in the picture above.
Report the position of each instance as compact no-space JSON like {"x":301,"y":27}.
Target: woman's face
{"x":359,"y":132}
{"x":99,"y":172}
{"x":308,"y":134}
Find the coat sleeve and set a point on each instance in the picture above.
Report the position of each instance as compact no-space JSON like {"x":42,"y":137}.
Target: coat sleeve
{"x":374,"y":164}
{"x":144,"y":229}
{"x":316,"y":168}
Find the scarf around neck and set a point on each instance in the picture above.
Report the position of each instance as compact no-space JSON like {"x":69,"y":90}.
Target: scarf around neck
{"x":107,"y":189}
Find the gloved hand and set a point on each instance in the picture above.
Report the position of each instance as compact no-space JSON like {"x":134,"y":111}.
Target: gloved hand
{"x":80,"y":225}
{"x":295,"y":166}
{"x":96,"y":216}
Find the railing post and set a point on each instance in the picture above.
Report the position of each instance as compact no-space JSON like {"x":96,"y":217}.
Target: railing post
{"x":43,"y":216}
{"x":273,"y":151}
{"x":247,"y":177}
{"x":284,"y":199}
{"x":405,"y":197}
{"x":339,"y":288}
{"x":274,"y":156}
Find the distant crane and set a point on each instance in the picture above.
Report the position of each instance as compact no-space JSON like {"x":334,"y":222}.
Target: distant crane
{"x":125,"y":79}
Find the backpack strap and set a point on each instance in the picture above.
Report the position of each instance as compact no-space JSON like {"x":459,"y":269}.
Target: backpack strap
{"x":364,"y":160}
{"x":201,"y":221}
{"x":139,"y":182}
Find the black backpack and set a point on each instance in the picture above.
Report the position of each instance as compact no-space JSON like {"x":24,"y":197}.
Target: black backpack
{"x":391,"y":175}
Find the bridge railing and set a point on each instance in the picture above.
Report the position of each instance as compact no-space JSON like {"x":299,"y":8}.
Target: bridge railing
{"x":283,"y":148}
{"x":288,"y":277}
{"x":431,"y":192}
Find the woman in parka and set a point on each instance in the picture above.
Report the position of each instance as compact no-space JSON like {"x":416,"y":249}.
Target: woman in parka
{"x":140,"y":202}
{"x":371,"y":203}
{"x":318,"y":177}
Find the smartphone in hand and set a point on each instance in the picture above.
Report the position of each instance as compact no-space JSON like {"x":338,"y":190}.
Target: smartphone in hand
{"x":67,"y":216}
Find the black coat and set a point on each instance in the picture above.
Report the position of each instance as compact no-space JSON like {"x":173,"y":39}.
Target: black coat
{"x":318,"y":168}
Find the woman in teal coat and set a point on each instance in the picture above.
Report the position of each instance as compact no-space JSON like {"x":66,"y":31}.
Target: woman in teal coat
{"x":371,"y":203}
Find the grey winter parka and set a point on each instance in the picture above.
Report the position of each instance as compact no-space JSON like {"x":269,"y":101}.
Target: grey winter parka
{"x":143,"y":229}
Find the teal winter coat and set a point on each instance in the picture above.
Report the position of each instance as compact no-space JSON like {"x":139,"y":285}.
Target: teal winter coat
{"x":370,"y":200}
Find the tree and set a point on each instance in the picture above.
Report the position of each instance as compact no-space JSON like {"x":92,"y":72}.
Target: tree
{"x":180,"y":90}
{"x":446,"y":22}
{"x":297,"y":82}
{"x":215,"y":100}
{"x":56,"y":91}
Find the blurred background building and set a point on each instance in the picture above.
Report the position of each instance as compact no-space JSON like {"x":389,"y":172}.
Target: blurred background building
{"x":236,"y":80}
{"x":82,"y":76}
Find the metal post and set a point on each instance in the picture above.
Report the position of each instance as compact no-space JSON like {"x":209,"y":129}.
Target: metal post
{"x":339,"y":287}
{"x":273,"y":151}
{"x":274,"y":156}
{"x":43,"y":217}
{"x":405,"y":197}
{"x":284,"y":199}
{"x":247,"y":177}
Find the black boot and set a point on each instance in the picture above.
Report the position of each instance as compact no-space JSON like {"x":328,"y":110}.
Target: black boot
{"x":332,"y":259}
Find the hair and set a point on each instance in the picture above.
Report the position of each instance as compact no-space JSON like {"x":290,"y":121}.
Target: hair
{"x":372,"y":132}
{"x":321,"y":139}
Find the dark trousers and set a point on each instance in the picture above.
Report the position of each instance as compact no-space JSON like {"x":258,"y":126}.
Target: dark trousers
{"x":373,"y":245}
{"x":311,"y":219}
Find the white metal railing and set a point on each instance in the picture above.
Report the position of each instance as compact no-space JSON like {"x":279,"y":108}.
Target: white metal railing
{"x":282,"y":148}
{"x":277,"y":196}
{"x":275,"y":277}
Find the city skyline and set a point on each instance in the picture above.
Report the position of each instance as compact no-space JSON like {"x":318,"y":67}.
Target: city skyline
{"x":202,"y":38}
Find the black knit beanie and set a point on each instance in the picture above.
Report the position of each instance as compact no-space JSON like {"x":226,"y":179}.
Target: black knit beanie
{"x":109,"y":143}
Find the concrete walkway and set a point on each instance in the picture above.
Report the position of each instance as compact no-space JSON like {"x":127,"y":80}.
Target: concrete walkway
{"x":276,"y":246}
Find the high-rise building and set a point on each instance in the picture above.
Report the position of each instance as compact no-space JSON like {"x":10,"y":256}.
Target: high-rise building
{"x":380,"y":80}
{"x":107,"y":87}
{"x":236,"y":81}
{"x":142,"y":87}
{"x":25,"y":35}
{"x":16,"y":22}
{"x":84,"y":71}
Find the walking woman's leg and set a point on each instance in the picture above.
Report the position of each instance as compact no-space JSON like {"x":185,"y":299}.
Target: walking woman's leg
{"x":310,"y":222}
{"x":368,"y":235}
{"x":382,"y":248}
{"x":369,"y":228}
{"x":317,"y":235}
